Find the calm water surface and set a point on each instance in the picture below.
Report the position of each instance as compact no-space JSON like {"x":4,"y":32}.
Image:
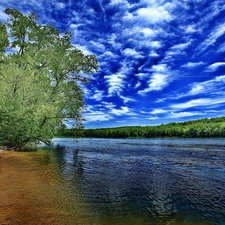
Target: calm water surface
{"x":144,"y":181}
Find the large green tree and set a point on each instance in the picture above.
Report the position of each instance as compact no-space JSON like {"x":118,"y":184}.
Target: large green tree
{"x":40,"y":77}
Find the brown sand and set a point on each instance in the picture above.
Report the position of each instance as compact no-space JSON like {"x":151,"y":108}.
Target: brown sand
{"x":30,"y":191}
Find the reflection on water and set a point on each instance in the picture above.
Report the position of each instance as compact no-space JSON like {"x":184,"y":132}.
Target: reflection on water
{"x":148,"y":181}
{"x":119,"y":182}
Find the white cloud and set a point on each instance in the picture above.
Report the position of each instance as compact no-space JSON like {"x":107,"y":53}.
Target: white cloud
{"x":177,"y":115}
{"x":108,"y":54}
{"x":207,"y":87}
{"x":212,"y":38}
{"x":85,"y":89}
{"x":119,"y":2}
{"x":103,"y":60}
{"x":152,"y":118}
{"x":98,"y":113}
{"x":97,"y":116}
{"x":84,"y":49}
{"x":219,"y":79}
{"x":161,"y":100}
{"x":60,"y":5}
{"x":124,"y":110}
{"x":215,"y":8}
{"x":214,"y":86}
{"x":115,"y":83}
{"x":157,"y":82}
{"x":126,"y":99}
{"x":193,"y":64}
{"x":153,"y":54}
{"x":154,"y":15}
{"x":98,"y":95}
{"x":148,"y":32}
{"x":119,"y":112}
{"x":202,"y":102}
{"x":155,"y":44}
{"x":131,"y":52}
{"x":98,"y":45}
{"x":113,"y":40}
{"x":174,"y":53}
{"x":138,"y":84}
{"x":191,"y":29}
{"x":128,"y":16}
{"x":177,"y":50}
{"x":108,"y":105}
{"x":142,"y":75}
{"x":181,"y":46}
{"x":160,"y":68}
{"x":196,"y":89}
{"x":221,"y":48}
{"x":159,"y":111}
{"x":213,"y":67}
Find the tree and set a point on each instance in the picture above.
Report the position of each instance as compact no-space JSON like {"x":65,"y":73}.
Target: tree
{"x":40,"y":77}
{"x":4,"y":42}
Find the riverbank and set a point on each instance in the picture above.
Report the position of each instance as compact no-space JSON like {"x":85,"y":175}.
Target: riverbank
{"x":31,"y":190}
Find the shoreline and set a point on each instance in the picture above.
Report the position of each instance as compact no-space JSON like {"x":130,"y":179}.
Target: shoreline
{"x":30,"y":189}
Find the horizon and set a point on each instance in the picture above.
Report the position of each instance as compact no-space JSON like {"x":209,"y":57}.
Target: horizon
{"x":159,"y":62}
{"x":153,"y":125}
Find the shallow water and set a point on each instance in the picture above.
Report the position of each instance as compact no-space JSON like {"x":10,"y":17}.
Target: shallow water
{"x":126,"y":181}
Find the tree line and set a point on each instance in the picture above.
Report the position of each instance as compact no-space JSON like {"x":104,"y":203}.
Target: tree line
{"x":202,"y":128}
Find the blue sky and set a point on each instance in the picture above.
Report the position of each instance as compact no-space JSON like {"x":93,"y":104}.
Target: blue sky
{"x":159,"y":61}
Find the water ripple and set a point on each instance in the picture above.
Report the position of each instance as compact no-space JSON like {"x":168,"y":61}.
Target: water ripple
{"x":162,"y":181}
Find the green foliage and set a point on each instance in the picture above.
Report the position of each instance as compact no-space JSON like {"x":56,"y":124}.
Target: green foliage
{"x":192,"y":129}
{"x":4,"y":42}
{"x":39,"y":80}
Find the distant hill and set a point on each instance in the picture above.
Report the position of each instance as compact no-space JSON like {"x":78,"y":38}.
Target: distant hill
{"x":214,"y":127}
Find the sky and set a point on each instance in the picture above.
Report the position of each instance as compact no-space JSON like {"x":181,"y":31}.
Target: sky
{"x":159,"y":61}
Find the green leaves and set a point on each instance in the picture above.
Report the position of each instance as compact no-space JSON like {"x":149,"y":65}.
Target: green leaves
{"x":4,"y":42}
{"x":39,"y":86}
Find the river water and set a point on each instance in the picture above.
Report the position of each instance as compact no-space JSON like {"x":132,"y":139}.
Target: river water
{"x":127,"y":182}
{"x":146,"y":181}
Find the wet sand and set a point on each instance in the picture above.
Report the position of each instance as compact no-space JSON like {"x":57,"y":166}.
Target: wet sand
{"x":30,"y":191}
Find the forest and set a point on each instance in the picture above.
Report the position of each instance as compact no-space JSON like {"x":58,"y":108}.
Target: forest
{"x":214,"y":127}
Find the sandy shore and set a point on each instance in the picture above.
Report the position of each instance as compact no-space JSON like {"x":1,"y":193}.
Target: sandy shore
{"x":30,"y":191}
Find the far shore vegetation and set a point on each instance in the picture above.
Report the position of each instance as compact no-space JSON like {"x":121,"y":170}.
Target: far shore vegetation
{"x":203,"y":128}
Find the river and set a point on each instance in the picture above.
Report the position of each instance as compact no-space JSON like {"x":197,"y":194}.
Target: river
{"x":136,"y":181}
